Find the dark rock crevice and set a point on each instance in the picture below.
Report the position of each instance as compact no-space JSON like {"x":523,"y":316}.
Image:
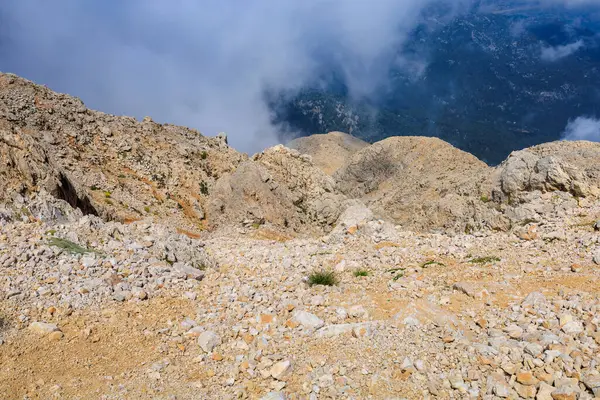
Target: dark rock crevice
{"x":67,"y":192}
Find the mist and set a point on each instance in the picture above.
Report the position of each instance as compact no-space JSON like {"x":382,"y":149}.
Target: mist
{"x":583,"y":128}
{"x":208,"y":64}
{"x":555,"y":53}
{"x":200,"y":64}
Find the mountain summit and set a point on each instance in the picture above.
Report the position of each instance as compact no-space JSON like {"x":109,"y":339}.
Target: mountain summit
{"x":147,"y":260}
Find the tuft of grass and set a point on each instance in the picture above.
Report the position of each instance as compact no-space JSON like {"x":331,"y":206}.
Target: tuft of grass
{"x":361,"y":272}
{"x":69,"y":246}
{"x":485,"y":198}
{"x":107,"y":194}
{"x":94,"y":187}
{"x":320,"y":253}
{"x":432,"y":262}
{"x":326,"y":278}
{"x":397,"y":272}
{"x":203,"y":155}
{"x":398,"y":275}
{"x":201,"y":266}
{"x":204,"y":188}
{"x":51,"y":232}
{"x":256,"y":225}
{"x":484,"y":260}
{"x":147,"y":209}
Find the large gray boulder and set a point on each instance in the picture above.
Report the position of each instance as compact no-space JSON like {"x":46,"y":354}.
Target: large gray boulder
{"x":526,"y":171}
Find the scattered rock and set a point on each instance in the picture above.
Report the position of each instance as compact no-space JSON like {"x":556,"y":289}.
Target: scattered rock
{"x":42,"y":328}
{"x":281,"y":370}
{"x":307,"y":319}
{"x":208,"y":340}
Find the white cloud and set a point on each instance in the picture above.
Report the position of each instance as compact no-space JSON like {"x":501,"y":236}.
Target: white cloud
{"x":583,"y":128}
{"x":570,"y":3}
{"x":555,"y":53}
{"x":204,"y":64}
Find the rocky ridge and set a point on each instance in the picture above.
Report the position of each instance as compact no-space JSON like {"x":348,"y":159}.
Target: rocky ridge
{"x":490,"y":289}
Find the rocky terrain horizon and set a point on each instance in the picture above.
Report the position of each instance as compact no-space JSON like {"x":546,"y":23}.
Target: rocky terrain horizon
{"x":143,"y":260}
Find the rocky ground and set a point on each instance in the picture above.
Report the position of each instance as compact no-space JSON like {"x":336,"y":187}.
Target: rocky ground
{"x":178,"y":268}
{"x":138,"y":311}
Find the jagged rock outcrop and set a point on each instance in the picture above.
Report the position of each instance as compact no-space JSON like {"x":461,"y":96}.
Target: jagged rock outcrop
{"x":570,"y":167}
{"x":329,"y":151}
{"x":426,"y":184}
{"x":114,"y":167}
{"x":421,"y":183}
{"x":278,"y":186}
{"x":124,"y":170}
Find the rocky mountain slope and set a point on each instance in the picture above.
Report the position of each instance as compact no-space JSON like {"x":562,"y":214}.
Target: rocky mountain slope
{"x":124,"y":170}
{"x":329,"y":151}
{"x":140,"y":260}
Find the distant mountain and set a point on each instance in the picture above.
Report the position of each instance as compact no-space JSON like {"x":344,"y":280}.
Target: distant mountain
{"x":498,"y":78}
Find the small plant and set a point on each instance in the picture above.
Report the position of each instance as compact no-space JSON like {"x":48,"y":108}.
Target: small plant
{"x":147,"y":209}
{"x":121,"y":176}
{"x":51,"y":232}
{"x":320,"y":253}
{"x":397,"y":272}
{"x":485,"y":198}
{"x":107,"y":194}
{"x":94,"y":187}
{"x":204,"y":188}
{"x":361,"y":272}
{"x":256,"y":225}
{"x":203,"y":155}
{"x":432,"y":262}
{"x":108,"y":201}
{"x":160,"y":180}
{"x":69,"y":246}
{"x":326,"y":278}
{"x":484,"y":260}
{"x":201,"y":266}
{"x":398,"y":275}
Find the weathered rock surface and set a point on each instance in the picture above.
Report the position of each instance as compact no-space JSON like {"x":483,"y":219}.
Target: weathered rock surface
{"x":420,"y":183}
{"x":570,"y":167}
{"x":146,"y":308}
{"x":329,"y":151}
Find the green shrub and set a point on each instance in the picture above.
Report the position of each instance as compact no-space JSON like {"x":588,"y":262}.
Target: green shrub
{"x":397,"y":272}
{"x":432,"y":262}
{"x":485,"y":260}
{"x":361,"y":272}
{"x":69,"y":246}
{"x":204,"y":188}
{"x":326,"y":278}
